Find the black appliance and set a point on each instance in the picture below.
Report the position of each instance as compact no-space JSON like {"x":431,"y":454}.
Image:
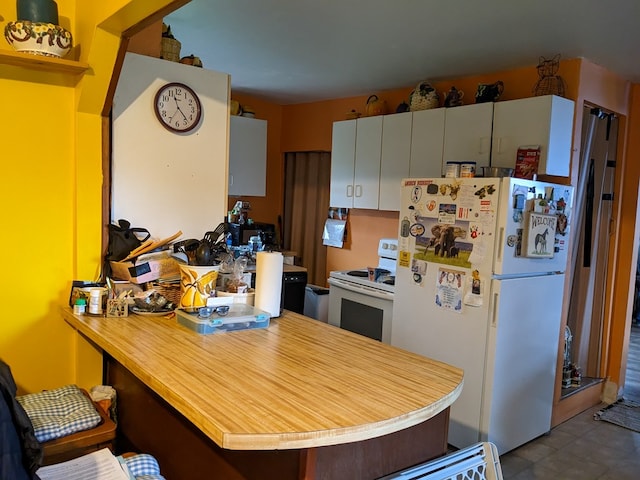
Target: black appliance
{"x":293,"y":290}
{"x":242,"y":232}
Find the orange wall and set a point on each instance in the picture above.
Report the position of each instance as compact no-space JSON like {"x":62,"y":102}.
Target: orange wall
{"x":624,"y":249}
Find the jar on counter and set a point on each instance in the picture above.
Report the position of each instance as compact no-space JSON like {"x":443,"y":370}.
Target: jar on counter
{"x":468,"y":169}
{"x":95,"y":301}
{"x":452,"y":170}
{"x":80,"y":307}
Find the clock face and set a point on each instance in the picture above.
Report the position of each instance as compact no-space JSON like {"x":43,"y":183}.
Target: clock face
{"x":177,"y":107}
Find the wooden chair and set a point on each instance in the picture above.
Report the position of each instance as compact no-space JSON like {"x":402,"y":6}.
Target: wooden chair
{"x":87,"y":441}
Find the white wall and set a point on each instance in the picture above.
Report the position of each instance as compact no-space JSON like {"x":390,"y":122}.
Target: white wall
{"x":166,"y":181}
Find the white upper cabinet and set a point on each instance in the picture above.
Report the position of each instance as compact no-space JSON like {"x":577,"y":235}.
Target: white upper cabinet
{"x":355,"y":163}
{"x":372,"y":155}
{"x":395,"y":160}
{"x":427,"y":138}
{"x":343,"y":158}
{"x":366,"y":176}
{"x":467,"y":134}
{"x":247,"y":156}
{"x":546,"y":121}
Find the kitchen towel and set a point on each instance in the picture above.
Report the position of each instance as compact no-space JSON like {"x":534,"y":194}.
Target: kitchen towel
{"x":269,"y":267}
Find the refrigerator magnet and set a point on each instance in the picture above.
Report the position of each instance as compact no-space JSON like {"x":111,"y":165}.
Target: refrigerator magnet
{"x":538,"y":235}
{"x":449,"y":287}
{"x":473,"y":296}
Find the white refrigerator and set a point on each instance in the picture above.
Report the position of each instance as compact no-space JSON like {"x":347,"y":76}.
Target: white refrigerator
{"x":479,"y":285}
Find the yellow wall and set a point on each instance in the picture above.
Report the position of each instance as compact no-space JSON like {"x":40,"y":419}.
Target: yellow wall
{"x":51,"y":191}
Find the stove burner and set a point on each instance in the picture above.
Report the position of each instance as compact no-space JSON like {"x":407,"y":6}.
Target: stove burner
{"x":358,"y":273}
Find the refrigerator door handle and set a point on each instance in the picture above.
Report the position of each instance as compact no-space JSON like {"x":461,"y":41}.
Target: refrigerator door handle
{"x":494,"y":312}
{"x":500,"y":244}
{"x":372,"y":292}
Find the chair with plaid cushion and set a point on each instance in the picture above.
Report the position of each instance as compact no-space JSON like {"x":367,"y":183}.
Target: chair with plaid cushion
{"x":67,"y":423}
{"x":60,"y":414}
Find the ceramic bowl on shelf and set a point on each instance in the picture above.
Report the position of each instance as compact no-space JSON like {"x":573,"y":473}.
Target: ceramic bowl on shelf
{"x":38,"y":38}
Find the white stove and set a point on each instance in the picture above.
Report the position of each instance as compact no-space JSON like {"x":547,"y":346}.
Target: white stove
{"x":381,"y":279}
{"x":361,"y":300}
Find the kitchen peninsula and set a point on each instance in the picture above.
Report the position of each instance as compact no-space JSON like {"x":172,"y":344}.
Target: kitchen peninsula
{"x":298,"y":400}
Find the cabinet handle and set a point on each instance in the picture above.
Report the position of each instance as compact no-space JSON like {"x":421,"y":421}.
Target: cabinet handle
{"x":230,"y":180}
{"x":484,"y":145}
{"x":349,"y":191}
{"x":358,"y":190}
{"x":499,"y":144}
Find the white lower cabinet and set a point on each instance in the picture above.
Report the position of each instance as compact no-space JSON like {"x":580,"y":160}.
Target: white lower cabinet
{"x":247,"y":156}
{"x":546,"y":121}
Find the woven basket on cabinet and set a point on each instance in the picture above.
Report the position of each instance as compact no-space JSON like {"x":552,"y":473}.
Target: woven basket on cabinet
{"x":170,"y":49}
{"x":423,"y":97}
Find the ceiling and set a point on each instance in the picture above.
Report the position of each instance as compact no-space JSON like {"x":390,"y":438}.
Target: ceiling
{"x":298,"y":51}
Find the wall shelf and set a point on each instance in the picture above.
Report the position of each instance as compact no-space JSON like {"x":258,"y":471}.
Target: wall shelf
{"x":38,"y":62}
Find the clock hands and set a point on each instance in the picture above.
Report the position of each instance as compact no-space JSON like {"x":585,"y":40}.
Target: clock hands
{"x":178,"y":109}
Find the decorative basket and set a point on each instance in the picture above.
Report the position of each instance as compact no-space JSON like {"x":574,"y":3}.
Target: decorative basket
{"x":170,"y":291}
{"x":423,"y":97}
{"x":170,"y":49}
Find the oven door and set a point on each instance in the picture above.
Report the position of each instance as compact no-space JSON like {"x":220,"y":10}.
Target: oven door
{"x":360,"y":309}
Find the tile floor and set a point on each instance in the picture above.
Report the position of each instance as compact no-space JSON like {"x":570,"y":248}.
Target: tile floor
{"x":581,"y":448}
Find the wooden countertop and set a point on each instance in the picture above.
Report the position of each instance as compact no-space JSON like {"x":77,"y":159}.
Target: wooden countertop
{"x":298,"y":383}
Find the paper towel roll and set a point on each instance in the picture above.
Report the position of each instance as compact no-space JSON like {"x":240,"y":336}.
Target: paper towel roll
{"x":269,"y":282}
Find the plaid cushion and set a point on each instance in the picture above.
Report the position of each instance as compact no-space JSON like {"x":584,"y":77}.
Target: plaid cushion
{"x":60,"y":412}
{"x":144,"y":467}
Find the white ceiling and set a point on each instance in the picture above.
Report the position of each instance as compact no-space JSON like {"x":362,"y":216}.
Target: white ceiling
{"x":297,"y":51}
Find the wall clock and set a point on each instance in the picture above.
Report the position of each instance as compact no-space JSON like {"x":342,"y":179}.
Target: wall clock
{"x":177,"y":107}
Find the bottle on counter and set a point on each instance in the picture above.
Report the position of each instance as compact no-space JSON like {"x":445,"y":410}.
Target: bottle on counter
{"x":80,"y":307}
{"x":95,"y":301}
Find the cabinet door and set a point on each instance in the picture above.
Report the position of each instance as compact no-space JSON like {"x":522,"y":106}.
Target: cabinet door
{"x":546,"y":121}
{"x":427,"y":135}
{"x":467,"y":135}
{"x":343,"y":154}
{"x":394,"y":162}
{"x":247,"y":156}
{"x":366,"y":180}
